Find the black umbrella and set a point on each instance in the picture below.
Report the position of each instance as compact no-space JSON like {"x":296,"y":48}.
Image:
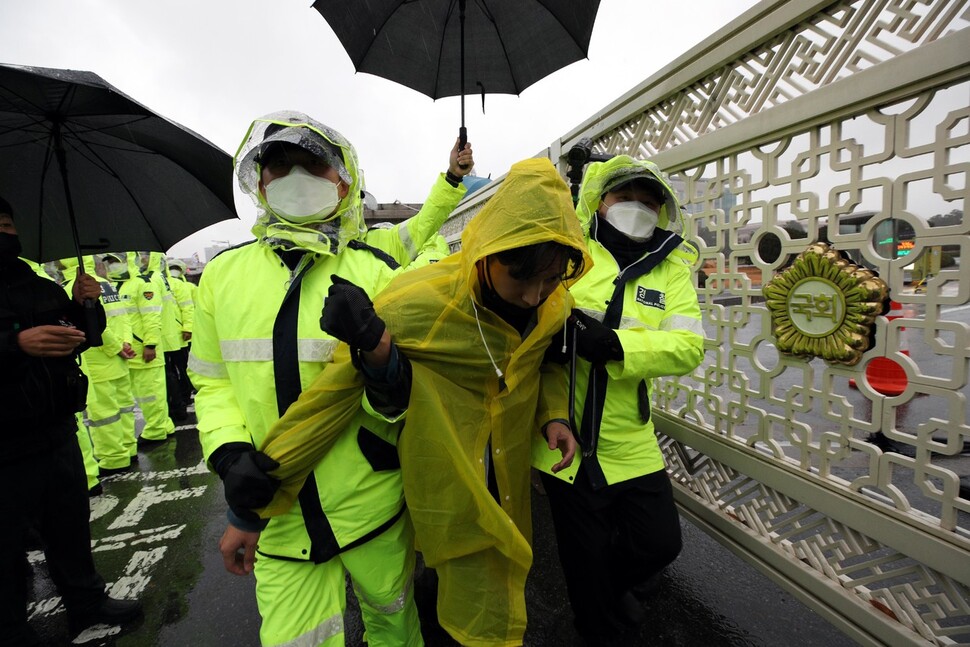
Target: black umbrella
{"x":78,"y":155}
{"x":89,"y":169}
{"x":422,"y":44}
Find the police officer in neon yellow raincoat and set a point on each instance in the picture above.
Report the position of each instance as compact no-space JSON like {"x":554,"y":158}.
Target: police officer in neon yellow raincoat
{"x":110,"y":406}
{"x":152,"y":266}
{"x":256,"y":344}
{"x":480,"y":393}
{"x":637,"y":319}
{"x":146,"y":369}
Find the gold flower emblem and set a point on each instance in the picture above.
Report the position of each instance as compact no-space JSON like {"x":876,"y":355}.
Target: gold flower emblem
{"x":823,"y":305}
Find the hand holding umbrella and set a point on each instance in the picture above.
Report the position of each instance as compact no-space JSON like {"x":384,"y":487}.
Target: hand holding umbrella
{"x":462,"y":160}
{"x":85,"y":288}
{"x":86,"y":291}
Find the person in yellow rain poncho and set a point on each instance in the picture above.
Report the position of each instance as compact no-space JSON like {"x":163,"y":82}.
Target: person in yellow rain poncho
{"x":472,"y":331}
{"x":636,"y":318}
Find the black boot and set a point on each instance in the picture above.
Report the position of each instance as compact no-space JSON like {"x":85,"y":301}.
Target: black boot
{"x":109,"y":611}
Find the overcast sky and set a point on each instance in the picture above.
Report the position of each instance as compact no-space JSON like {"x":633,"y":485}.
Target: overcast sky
{"x":214,"y":65}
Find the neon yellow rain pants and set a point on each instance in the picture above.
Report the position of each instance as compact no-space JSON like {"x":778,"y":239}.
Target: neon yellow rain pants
{"x":148,"y":387}
{"x":293,"y":595}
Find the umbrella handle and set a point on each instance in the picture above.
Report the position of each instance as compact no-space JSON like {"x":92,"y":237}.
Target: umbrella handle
{"x":462,"y":140}
{"x":92,"y":334}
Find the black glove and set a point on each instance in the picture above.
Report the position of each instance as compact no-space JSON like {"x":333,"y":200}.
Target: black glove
{"x":245,"y":478}
{"x":595,"y":342}
{"x":348,"y":315}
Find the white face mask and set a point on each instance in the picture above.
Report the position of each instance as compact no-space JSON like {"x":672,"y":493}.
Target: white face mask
{"x":634,"y":219}
{"x":116,"y":269}
{"x":174,"y":272}
{"x":301,"y":196}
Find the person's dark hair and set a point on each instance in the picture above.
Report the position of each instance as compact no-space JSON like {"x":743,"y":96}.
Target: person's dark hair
{"x":526,"y":262}
{"x":6,"y":208}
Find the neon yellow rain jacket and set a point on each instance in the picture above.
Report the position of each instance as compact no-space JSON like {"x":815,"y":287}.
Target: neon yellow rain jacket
{"x":405,"y":240}
{"x":102,"y":363}
{"x":171,"y":313}
{"x":433,"y":251}
{"x":183,"y":291}
{"x":144,"y":301}
{"x":459,"y":411}
{"x":242,"y":361}
{"x":659,"y":328}
{"x":257,"y":342}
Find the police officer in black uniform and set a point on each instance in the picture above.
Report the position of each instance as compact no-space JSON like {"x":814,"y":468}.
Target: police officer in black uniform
{"x":42,"y":331}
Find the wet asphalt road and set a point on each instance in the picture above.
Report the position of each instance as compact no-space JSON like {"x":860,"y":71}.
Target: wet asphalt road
{"x":155,"y":532}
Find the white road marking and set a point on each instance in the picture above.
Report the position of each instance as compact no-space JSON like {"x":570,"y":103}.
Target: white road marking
{"x":137,"y":573}
{"x":46,"y":607}
{"x":148,"y":496}
{"x":146,"y":536}
{"x":102,"y":505}
{"x":163,"y":475}
{"x":96,"y":632}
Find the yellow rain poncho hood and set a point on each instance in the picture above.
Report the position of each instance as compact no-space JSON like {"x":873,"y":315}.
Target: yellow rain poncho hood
{"x":461,"y":413}
{"x":328,"y":237}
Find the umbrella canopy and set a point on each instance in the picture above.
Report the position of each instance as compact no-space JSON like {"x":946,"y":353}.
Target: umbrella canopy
{"x":500,"y":47}
{"x":88,"y":169}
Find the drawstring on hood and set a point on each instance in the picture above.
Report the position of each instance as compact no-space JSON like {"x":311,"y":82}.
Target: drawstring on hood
{"x":498,"y":371}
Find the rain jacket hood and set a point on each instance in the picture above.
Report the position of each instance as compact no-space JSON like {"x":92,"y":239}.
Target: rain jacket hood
{"x":532,"y":210}
{"x":322,"y":237}
{"x":176,"y":263}
{"x":461,"y":414}
{"x":130,"y":261}
{"x":153,"y":265}
{"x":68,"y":267}
{"x":599,"y":175}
